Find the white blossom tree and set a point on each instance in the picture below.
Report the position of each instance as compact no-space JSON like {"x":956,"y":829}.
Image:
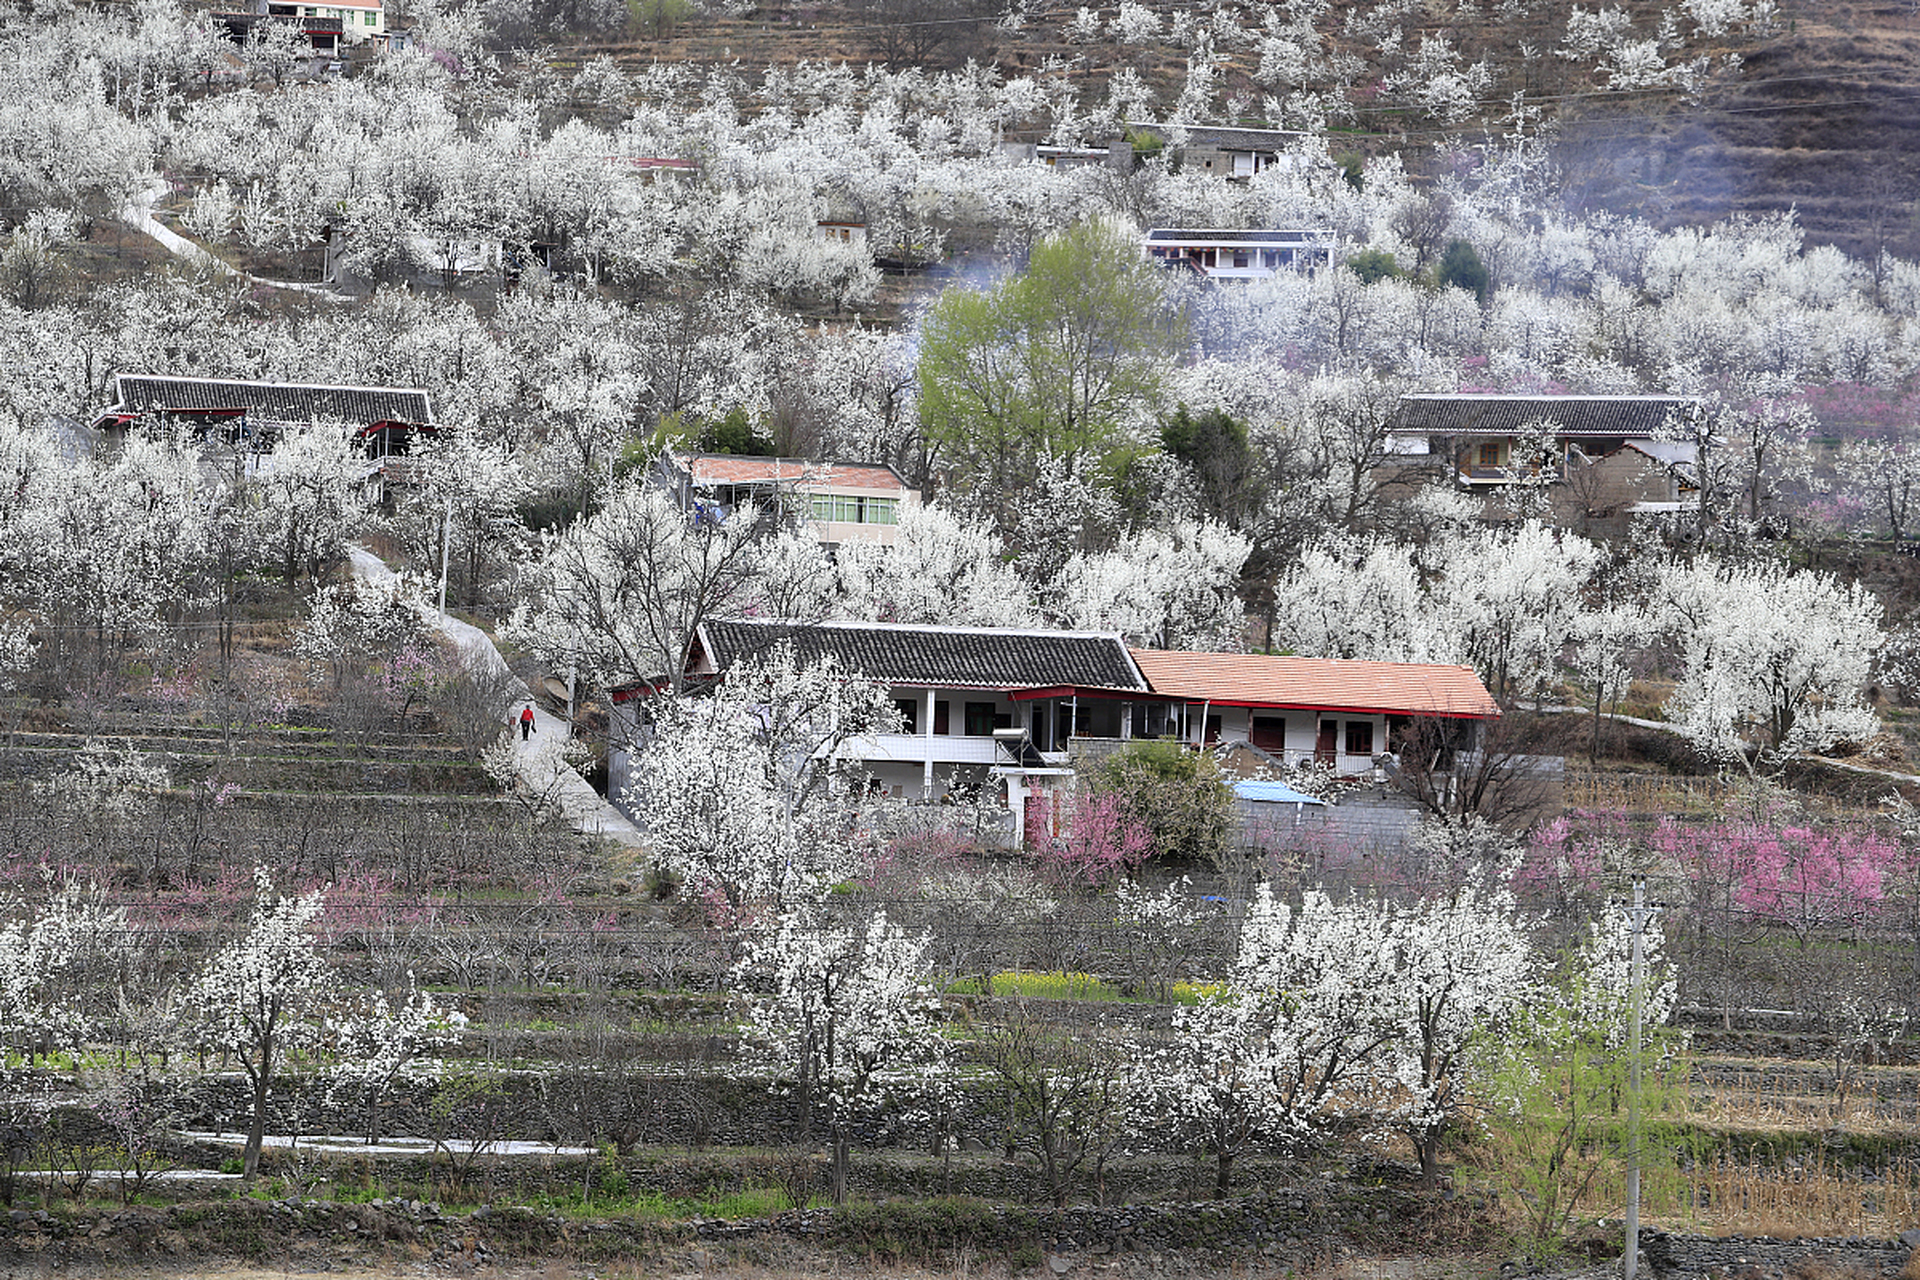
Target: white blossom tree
{"x":1273,"y":1057}
{"x":1174,"y":590}
{"x":1461,"y":967}
{"x":45,"y":953}
{"x":737,"y":785}
{"x":260,"y":997}
{"x":1773,"y":661}
{"x":940,"y":568}
{"x":379,"y":1045}
{"x":314,"y":500}
{"x":850,"y":1023}
{"x":618,"y":595}
{"x":354,"y":622}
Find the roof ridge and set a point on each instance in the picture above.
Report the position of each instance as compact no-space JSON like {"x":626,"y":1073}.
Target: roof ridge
{"x":938,"y":628}
{"x":260,"y":382}
{"x":1301,"y":657}
{"x":1519,"y":395}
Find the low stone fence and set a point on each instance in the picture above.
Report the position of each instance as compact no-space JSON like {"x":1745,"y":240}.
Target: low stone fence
{"x":1685,"y":1257}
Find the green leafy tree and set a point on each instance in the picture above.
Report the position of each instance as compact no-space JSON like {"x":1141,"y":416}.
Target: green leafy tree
{"x":1460,"y":267}
{"x":1048,"y":364}
{"x":1177,"y":794}
{"x":1559,"y":1083}
{"x":1373,"y":265}
{"x":658,"y":18}
{"x":736,"y":433}
{"x":1214,"y":446}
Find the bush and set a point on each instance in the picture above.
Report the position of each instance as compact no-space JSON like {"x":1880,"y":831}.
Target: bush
{"x":1460,"y":268}
{"x":1177,"y":794}
{"x":1375,"y":264}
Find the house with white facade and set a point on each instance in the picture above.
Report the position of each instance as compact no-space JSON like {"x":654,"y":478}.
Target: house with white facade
{"x":838,"y":502}
{"x":1225,"y":254}
{"x":1011,"y":714}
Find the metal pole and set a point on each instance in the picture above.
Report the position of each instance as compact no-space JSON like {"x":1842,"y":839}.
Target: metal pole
{"x":446,"y":538}
{"x":1633,"y":1080}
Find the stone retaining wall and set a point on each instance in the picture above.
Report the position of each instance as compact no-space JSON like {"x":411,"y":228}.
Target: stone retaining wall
{"x":1685,"y":1257}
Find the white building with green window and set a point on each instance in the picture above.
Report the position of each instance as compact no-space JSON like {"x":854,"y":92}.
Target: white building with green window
{"x":360,"y":20}
{"x":839,"y":501}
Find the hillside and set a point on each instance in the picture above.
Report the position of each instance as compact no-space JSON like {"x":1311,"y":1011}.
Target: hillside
{"x":1813,"y":112}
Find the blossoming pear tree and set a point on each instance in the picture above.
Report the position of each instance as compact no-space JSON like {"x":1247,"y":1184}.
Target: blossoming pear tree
{"x":258,"y":997}
{"x":849,"y":1025}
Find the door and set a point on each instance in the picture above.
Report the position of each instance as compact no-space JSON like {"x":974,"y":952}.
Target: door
{"x":1327,"y":744}
{"x":1269,"y":733}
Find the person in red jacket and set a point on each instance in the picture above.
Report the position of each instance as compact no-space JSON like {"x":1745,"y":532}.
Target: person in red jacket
{"x":526,"y":721}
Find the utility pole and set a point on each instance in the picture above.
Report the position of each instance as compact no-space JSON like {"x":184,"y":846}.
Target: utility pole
{"x":1637,"y":1005}
{"x":446,"y":537}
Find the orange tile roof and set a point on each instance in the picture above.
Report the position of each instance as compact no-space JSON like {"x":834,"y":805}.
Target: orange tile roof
{"x":1337,"y":684}
{"x":710,"y":468}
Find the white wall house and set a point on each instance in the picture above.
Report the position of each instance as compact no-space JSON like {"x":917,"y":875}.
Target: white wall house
{"x":1008,"y":713}
{"x":838,"y":502}
{"x":1225,"y":254}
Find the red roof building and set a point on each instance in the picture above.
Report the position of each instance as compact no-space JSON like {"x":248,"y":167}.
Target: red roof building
{"x":1328,"y":684}
{"x":838,"y":501}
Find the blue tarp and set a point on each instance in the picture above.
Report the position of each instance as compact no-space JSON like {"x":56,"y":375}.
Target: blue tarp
{"x":1271,"y":793}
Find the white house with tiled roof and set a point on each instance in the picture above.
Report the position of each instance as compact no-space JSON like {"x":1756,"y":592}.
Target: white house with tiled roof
{"x":1242,"y":255}
{"x":1332,"y":711}
{"x":838,"y":501}
{"x":1011,"y":711}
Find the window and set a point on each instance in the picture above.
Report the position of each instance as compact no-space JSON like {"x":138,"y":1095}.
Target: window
{"x":1152,"y":720}
{"x":979,"y":721}
{"x":909,"y":713}
{"x":846,"y":509}
{"x":1490,"y":454}
{"x":1240,"y":260}
{"x":1359,"y":737}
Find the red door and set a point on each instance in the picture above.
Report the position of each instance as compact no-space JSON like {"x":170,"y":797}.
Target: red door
{"x":1327,"y":744}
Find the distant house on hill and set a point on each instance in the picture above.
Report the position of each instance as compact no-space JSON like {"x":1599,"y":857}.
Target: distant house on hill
{"x":1014,"y":713}
{"x":382,"y":421}
{"x":1602,"y":459}
{"x":1221,"y":151}
{"x":838,"y":502}
{"x":1239,"y":254}
{"x":1228,"y":152}
{"x":327,"y":27}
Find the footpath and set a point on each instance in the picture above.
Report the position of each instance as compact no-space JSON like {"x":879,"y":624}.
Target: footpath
{"x":542,"y":771}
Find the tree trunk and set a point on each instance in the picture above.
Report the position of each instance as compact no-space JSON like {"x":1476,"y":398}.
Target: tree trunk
{"x":1426,"y":1145}
{"x":1222,"y":1174}
{"x":256,"y":1128}
{"x":841,"y":1159}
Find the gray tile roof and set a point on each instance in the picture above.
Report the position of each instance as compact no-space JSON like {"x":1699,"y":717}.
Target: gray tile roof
{"x":1227,"y":138}
{"x":274,"y":401}
{"x":955,"y":657}
{"x":1283,"y":238}
{"x":1643,"y":416}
